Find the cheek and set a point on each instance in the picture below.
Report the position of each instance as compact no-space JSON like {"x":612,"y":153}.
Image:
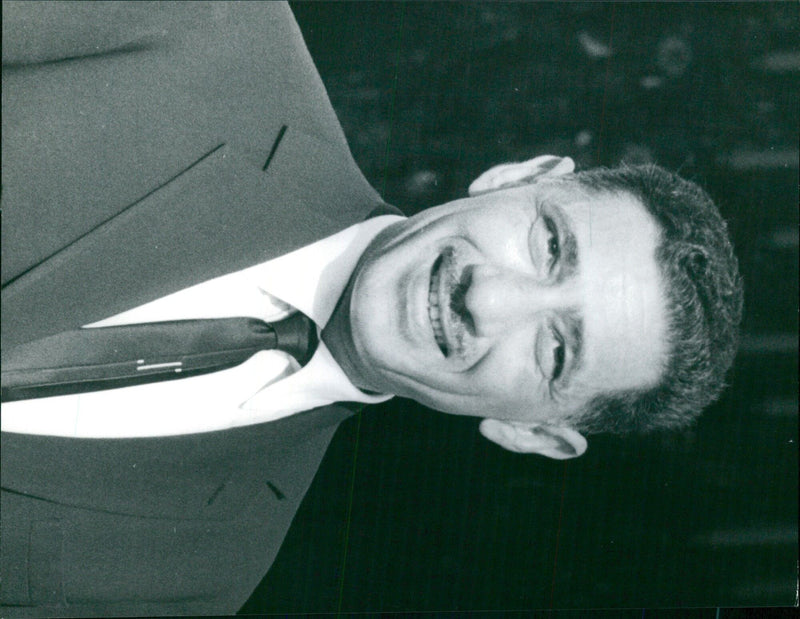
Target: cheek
{"x":369,"y":320}
{"x":500,"y":234}
{"x":459,"y":394}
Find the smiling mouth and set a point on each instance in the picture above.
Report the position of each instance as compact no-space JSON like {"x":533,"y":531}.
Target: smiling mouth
{"x":451,"y":321}
{"x":436,"y":306}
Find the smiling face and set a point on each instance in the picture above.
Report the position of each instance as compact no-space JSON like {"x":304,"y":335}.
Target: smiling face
{"x":520,"y":304}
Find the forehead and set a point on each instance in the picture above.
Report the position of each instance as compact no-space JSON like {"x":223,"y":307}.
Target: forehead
{"x":619,"y":285}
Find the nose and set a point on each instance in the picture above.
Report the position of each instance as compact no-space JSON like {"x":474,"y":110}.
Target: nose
{"x":500,"y":299}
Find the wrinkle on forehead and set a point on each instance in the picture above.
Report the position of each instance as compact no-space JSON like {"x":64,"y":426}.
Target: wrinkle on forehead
{"x":624,"y":305}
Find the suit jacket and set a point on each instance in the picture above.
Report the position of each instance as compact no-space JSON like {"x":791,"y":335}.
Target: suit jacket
{"x":147,"y":148}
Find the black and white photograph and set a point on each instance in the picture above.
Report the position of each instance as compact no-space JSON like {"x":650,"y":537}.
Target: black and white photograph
{"x":442,"y":308}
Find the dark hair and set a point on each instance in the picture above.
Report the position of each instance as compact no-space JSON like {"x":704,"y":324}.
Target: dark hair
{"x":704,"y":303}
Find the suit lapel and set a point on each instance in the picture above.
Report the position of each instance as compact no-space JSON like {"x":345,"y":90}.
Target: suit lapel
{"x":223,"y":213}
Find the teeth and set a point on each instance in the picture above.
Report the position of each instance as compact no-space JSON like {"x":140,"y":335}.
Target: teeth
{"x":434,"y":311}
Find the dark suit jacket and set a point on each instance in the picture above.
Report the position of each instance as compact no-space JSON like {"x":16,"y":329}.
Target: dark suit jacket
{"x":147,"y":148}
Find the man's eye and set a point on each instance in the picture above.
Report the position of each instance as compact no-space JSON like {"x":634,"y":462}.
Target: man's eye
{"x":545,"y":244}
{"x":558,"y":357}
{"x":553,"y":245}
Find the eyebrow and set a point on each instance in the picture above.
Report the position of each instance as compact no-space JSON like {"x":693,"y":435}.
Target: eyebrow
{"x":572,"y":319}
{"x":574,"y":341}
{"x":569,"y":247}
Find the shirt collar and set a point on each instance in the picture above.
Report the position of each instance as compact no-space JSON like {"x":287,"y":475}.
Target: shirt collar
{"x":312,"y":278}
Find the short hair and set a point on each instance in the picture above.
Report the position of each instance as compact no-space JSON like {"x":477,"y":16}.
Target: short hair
{"x":704,"y":295}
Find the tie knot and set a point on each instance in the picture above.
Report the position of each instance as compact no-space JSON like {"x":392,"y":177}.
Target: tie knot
{"x":297,"y":335}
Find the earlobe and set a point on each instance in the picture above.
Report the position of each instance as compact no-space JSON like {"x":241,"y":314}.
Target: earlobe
{"x":511,"y":174}
{"x":557,"y":442}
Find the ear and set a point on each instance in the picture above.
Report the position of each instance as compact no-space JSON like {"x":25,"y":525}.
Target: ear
{"x":510,"y":174}
{"x":558,"y":442}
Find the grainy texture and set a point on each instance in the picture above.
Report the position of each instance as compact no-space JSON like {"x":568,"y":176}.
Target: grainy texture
{"x":430,"y":95}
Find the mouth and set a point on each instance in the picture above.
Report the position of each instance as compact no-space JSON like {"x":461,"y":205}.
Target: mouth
{"x":437,"y":305}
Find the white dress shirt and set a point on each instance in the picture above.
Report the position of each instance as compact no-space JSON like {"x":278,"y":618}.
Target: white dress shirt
{"x":268,"y":386}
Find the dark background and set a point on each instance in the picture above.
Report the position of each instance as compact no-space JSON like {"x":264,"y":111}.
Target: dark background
{"x":412,"y":509}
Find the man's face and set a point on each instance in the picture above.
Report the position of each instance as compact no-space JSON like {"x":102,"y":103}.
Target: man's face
{"x":520,"y":304}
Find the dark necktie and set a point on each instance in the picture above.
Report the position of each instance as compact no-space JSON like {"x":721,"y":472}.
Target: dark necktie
{"x":110,"y":357}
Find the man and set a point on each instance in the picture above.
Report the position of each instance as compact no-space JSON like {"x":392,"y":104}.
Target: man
{"x":174,"y":161}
